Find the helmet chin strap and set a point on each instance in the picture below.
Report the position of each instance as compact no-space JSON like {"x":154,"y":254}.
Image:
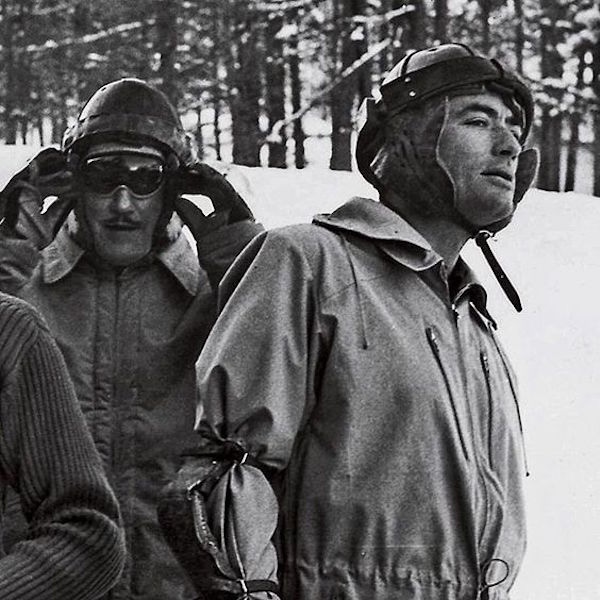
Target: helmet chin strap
{"x":481,"y":239}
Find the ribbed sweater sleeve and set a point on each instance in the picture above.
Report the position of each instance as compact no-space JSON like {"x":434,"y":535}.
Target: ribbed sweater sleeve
{"x":74,"y":547}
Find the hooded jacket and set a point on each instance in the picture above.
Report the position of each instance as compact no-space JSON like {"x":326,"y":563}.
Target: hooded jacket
{"x":348,"y":360}
{"x":130,"y":340}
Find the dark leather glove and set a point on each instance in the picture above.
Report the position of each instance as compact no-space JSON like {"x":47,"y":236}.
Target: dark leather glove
{"x":198,"y":223}
{"x":203,"y":179}
{"x":22,"y":200}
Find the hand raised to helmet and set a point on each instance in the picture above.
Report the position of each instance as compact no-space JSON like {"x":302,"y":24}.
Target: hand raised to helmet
{"x":22,"y":206}
{"x":202,"y":179}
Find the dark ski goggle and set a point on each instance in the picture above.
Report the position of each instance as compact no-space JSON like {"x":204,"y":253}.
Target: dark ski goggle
{"x":143,"y":175}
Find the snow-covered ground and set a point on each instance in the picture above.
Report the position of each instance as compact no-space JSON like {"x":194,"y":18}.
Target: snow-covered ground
{"x":552,"y":254}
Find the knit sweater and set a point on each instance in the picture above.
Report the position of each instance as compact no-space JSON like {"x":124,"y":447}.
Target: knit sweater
{"x":74,"y":548}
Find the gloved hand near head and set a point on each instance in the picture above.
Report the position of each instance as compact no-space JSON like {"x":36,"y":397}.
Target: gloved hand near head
{"x":22,"y":201}
{"x":202,"y":179}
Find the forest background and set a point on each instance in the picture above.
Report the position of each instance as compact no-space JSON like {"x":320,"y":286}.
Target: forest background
{"x":258,"y":82}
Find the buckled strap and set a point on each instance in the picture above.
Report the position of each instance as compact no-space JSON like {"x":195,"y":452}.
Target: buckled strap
{"x":244,"y":586}
{"x":503,"y":280}
{"x":229,"y":451}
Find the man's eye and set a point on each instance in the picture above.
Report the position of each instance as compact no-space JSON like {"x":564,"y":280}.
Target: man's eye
{"x":478,"y":121}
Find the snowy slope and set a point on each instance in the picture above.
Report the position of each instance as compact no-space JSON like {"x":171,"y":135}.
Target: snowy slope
{"x":552,"y":254}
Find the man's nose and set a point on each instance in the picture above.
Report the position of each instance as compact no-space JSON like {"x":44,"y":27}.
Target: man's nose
{"x":122,"y":199}
{"x":505,"y":143}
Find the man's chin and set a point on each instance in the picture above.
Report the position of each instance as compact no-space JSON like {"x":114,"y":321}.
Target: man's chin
{"x":122,"y":257}
{"x":498,"y":212}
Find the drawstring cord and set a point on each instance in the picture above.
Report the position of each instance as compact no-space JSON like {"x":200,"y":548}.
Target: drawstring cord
{"x":484,"y":592}
{"x":481,"y":239}
{"x":365,"y":341}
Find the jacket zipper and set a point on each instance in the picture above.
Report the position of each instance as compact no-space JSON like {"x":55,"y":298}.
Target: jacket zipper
{"x":432,"y":339}
{"x":486,"y":371}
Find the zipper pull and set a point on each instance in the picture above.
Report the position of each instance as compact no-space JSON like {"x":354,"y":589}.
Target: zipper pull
{"x":432,"y":339}
{"x":485,"y":363}
{"x":455,"y":312}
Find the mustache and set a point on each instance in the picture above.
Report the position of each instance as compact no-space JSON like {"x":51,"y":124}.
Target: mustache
{"x":121,"y":222}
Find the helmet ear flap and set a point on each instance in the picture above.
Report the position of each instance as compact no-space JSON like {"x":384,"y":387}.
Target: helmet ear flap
{"x":370,"y":139}
{"x":527,"y":167}
{"x":172,"y":162}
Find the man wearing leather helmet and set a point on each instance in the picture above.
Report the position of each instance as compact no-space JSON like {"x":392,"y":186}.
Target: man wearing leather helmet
{"x":125,"y":295}
{"x":360,"y":429}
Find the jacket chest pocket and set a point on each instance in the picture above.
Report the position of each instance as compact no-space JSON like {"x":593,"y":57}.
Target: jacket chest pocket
{"x":459,"y":422}
{"x":500,"y":415}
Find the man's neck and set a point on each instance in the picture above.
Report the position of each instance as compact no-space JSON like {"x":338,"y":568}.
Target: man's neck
{"x":446,"y":237}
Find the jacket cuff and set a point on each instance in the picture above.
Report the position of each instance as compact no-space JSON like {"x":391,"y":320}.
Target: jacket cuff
{"x":218,"y":249}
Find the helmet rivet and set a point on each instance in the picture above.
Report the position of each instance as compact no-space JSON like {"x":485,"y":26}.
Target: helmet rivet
{"x":407,"y":80}
{"x":412,"y":93}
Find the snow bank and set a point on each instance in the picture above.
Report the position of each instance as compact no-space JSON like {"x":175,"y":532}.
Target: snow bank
{"x":552,"y":254}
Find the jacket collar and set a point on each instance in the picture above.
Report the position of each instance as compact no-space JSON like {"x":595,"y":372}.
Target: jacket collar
{"x":61,"y":256}
{"x":402,"y":243}
{"x":386,"y":228}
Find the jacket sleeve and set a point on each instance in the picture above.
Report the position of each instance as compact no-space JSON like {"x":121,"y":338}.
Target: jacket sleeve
{"x":217,"y":250}
{"x":74,"y":546}
{"x":256,"y":387}
{"x":18,"y":259}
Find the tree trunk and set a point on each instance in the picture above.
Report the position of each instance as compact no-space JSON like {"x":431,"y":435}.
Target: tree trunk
{"x":361,"y":45}
{"x":572,"y":148}
{"x":441,"y":21}
{"x":217,"y":126}
{"x":551,"y":120}
{"x":55,"y":135}
{"x":40,"y":127}
{"x":199,"y":135}
{"x":485,"y":6}
{"x":413,"y":36}
{"x":385,"y":33}
{"x":25,"y":77}
{"x":166,"y":46}
{"x":550,"y":143}
{"x":596,"y":88}
{"x":596,"y":189}
{"x":296,"y":98}
{"x":10,"y":123}
{"x":275,"y":89}
{"x":219,"y":32}
{"x":519,"y":34}
{"x":244,"y":85}
{"x":342,"y":96}
{"x":575,"y":121}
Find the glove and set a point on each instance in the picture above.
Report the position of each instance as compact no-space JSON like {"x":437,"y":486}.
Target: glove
{"x":198,"y":223}
{"x":202,"y":179}
{"x":22,"y":200}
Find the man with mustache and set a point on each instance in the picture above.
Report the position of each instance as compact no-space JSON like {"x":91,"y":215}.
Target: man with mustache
{"x":128,"y":300}
{"x":360,"y":433}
